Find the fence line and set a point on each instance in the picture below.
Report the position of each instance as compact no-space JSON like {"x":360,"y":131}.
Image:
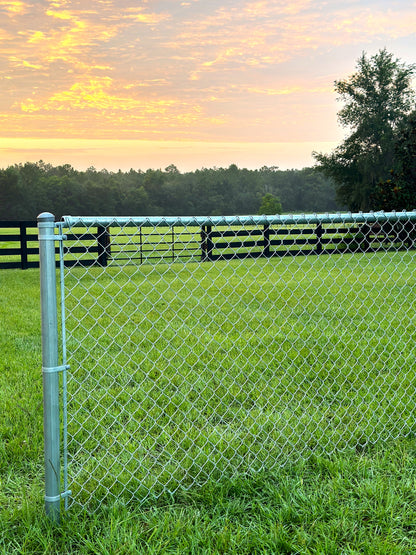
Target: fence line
{"x":212,"y":243}
{"x":175,"y":374}
{"x":19,"y":247}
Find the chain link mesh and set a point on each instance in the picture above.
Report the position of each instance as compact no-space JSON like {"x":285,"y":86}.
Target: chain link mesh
{"x":198,"y":352}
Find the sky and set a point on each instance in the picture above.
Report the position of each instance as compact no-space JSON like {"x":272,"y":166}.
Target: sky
{"x":120,"y":84}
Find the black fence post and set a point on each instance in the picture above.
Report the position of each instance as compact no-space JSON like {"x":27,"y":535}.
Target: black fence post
{"x":319,"y":232}
{"x":266,"y":240}
{"x":206,"y":243}
{"x":23,"y":246}
{"x":173,"y":243}
{"x":365,"y":241}
{"x":103,"y":245}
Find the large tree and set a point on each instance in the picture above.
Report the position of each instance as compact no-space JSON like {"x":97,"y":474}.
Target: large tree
{"x":399,"y":191}
{"x":377,"y":99}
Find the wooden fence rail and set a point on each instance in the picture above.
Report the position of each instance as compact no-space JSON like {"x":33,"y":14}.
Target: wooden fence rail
{"x":100,"y":246}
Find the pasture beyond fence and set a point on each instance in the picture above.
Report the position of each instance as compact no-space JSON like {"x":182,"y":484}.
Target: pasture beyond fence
{"x":168,"y":374}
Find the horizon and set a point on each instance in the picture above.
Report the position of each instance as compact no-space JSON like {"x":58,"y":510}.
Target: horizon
{"x":187,"y":156}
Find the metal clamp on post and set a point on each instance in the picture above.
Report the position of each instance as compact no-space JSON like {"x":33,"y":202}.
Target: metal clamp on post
{"x":46,"y":237}
{"x":54,"y":369}
{"x":54,"y":498}
{"x":52,"y":237}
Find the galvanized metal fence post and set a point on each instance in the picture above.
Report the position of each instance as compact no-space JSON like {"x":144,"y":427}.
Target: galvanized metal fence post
{"x":50,"y":368}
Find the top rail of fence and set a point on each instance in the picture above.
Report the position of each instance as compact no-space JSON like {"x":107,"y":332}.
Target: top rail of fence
{"x":284,"y":219}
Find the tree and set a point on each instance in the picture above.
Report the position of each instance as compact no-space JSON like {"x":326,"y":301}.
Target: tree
{"x":377,"y":99}
{"x":399,"y":191}
{"x":270,"y":205}
{"x":11,"y":198}
{"x":172,"y":169}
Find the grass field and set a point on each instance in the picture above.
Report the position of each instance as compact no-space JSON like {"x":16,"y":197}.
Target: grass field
{"x":352,"y":322}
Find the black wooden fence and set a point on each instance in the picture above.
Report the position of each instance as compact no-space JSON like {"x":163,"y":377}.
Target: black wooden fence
{"x":19,"y":246}
{"x":298,"y":240}
{"x":101,"y":245}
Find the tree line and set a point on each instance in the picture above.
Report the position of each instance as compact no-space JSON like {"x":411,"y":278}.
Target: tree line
{"x":31,"y":188}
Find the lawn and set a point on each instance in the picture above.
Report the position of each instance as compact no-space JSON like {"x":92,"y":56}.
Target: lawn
{"x":298,"y":385}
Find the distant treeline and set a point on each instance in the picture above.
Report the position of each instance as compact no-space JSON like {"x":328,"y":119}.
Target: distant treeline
{"x":30,"y":188}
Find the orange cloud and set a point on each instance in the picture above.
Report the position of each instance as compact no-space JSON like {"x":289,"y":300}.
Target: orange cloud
{"x":93,"y":94}
{"x":60,"y":15}
{"x":267,"y":32}
{"x":4,"y":35}
{"x":14,"y":7}
{"x":98,"y":109}
{"x":136,"y":15}
{"x":37,"y":37}
{"x":59,"y":3}
{"x":71,"y":42}
{"x":120,"y":67}
{"x":139,"y":15}
{"x":24,"y":63}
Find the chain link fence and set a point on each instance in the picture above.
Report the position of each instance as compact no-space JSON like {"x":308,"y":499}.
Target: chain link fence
{"x":204,"y":347}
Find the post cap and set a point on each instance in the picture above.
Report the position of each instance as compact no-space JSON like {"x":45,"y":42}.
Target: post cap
{"x":46,"y":217}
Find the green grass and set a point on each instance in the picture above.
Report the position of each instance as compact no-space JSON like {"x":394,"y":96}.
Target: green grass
{"x":209,"y":369}
{"x":358,"y":500}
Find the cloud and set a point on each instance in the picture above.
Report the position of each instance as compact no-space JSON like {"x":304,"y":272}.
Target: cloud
{"x":267,"y":8}
{"x":139,"y":15}
{"x":94,"y":94}
{"x":76,"y":36}
{"x":5,"y":35}
{"x":101,"y":107}
{"x":60,"y":15}
{"x":75,"y":42}
{"x":24,"y":63}
{"x":267,"y":32}
{"x":14,"y":8}
{"x":376,"y":23}
{"x":183,"y":68}
{"x":37,"y":37}
{"x":59,"y":3}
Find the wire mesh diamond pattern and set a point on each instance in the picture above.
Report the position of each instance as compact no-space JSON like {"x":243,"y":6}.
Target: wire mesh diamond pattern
{"x":202,"y":351}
